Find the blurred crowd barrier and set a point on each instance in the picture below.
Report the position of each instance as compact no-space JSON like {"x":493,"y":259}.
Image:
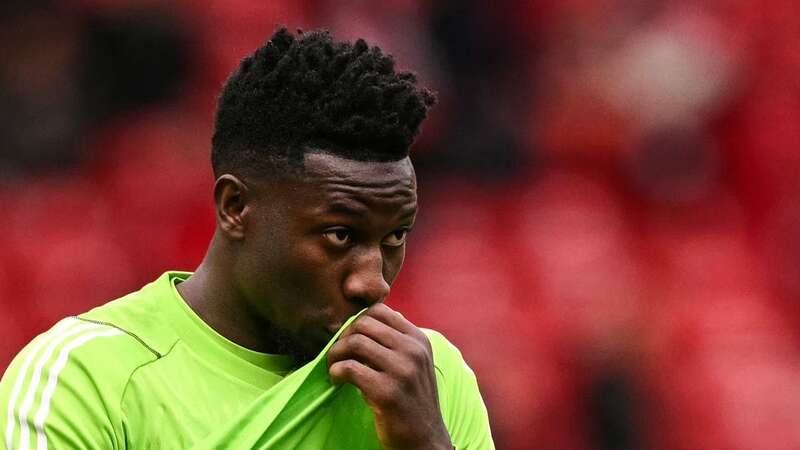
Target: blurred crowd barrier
{"x":609,"y":228}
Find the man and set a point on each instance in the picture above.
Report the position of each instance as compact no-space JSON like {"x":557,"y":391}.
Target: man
{"x":261,"y":346}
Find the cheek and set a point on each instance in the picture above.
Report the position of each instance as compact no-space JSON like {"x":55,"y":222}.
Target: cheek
{"x":392,"y":263}
{"x":309,"y":272}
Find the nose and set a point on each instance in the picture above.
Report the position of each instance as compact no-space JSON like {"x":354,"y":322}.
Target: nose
{"x":365,"y":285}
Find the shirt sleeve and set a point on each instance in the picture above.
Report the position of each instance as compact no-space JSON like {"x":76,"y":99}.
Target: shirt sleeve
{"x":63,"y":389}
{"x":463,"y":410}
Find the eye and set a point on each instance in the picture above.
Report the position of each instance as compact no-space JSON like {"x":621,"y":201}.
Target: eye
{"x":338,"y":236}
{"x":396,"y":238}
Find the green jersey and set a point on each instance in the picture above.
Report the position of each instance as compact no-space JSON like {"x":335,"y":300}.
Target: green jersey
{"x":144,"y":371}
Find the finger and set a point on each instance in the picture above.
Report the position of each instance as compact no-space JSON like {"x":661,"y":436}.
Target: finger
{"x":353,"y":372}
{"x":362,"y":349}
{"x":392,"y":318}
{"x":418,"y":347}
{"x":376,"y":330}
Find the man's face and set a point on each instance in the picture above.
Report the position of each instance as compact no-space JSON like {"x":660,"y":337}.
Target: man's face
{"x":322,"y":245}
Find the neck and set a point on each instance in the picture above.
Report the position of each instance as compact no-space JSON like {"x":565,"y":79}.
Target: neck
{"x":212,"y":294}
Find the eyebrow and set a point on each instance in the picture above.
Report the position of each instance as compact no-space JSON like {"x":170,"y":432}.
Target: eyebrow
{"x":344,"y":209}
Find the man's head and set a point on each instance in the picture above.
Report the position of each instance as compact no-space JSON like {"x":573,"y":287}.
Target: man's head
{"x":294,"y":95}
{"x":314,"y":191}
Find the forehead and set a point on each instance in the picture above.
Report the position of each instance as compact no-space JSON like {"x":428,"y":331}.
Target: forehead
{"x":336,"y":184}
{"x":324,"y":167}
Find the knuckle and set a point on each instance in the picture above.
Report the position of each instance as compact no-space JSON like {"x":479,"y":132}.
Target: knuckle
{"x":379,"y":309}
{"x":406,"y":373}
{"x":419,"y":354}
{"x":334,"y":354}
{"x":360,"y":326}
{"x":357,"y":343}
{"x":422,"y":337}
{"x":347,"y":368}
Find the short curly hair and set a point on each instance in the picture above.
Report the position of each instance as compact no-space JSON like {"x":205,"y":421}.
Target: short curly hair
{"x":307,"y":92}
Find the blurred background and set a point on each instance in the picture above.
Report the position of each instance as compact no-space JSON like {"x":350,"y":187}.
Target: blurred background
{"x":609,"y":228}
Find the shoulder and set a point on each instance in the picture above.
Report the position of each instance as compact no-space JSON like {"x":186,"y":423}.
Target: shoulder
{"x":74,"y":344}
{"x":446,"y":356}
{"x":141,"y":315}
{"x":453,"y":374}
{"x":462,"y":407}
{"x":107,"y":342}
{"x":68,"y":379}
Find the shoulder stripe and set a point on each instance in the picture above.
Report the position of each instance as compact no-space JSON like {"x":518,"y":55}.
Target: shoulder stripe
{"x":36,"y":345}
{"x":52,"y":381}
{"x":36,"y":376}
{"x":144,"y":344}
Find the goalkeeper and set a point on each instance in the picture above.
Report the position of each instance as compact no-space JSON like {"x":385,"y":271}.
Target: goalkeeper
{"x":280,"y":339}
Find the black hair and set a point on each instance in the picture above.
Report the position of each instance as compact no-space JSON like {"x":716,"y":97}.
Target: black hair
{"x":307,"y":92}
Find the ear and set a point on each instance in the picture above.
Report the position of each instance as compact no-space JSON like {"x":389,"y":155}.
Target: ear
{"x":230,"y":198}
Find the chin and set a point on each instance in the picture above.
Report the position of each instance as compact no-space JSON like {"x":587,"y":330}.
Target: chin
{"x":309,"y":346}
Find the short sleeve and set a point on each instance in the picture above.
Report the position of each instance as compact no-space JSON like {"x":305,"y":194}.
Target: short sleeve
{"x":462,"y":407}
{"x":63,"y":389}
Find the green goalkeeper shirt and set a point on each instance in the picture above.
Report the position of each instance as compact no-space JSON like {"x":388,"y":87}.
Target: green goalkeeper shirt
{"x":145,"y":372}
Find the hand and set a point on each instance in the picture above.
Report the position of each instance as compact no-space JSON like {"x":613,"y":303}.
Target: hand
{"x":390,"y":360}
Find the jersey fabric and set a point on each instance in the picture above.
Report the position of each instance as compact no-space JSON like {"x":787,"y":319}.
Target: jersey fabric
{"x":145,"y":372}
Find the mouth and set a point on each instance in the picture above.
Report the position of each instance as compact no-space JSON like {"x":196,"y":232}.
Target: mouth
{"x":335,"y":324}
